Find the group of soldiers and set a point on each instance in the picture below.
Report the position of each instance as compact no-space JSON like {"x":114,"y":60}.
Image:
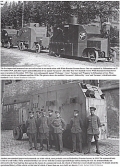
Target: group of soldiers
{"x":50,"y":128}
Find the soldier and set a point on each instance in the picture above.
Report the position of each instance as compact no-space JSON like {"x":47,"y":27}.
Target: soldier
{"x":59,"y":125}
{"x":93,"y":124}
{"x":44,"y":129}
{"x":37,"y":123}
{"x":31,"y":130}
{"x":76,"y":130}
{"x":51,"y":130}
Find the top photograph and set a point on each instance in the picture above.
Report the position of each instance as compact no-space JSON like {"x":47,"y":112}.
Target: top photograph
{"x":60,"y":34}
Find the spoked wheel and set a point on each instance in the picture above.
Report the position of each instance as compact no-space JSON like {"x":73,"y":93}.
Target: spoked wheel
{"x":93,"y":56}
{"x":8,"y":45}
{"x":21,"y":46}
{"x":17,"y":133}
{"x":38,"y":48}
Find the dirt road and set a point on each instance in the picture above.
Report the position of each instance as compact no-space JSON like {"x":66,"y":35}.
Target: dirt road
{"x":14,"y":57}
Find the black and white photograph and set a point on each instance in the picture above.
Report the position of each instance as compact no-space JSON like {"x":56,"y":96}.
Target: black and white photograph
{"x":59,"y":83}
{"x":60,"y":118}
{"x":59,"y":33}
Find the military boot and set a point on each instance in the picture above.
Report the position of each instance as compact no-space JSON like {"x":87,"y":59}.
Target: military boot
{"x":97,"y":147}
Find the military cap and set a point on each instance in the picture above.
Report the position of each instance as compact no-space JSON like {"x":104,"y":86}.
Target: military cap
{"x":57,"y":112}
{"x":76,"y":111}
{"x":93,"y":108}
{"x":50,"y":110}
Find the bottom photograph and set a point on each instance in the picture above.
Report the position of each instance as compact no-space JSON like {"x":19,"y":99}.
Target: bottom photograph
{"x":60,"y":117}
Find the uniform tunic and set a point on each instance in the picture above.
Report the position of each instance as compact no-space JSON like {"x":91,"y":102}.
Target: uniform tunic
{"x":43,"y":124}
{"x":93,"y":124}
{"x":58,"y":124}
{"x":76,"y":125}
{"x":31,"y":125}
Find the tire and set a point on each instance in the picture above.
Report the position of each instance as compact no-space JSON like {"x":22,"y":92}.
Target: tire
{"x":93,"y":56}
{"x":21,"y":46}
{"x":38,"y":48}
{"x":17,"y":133}
{"x":8,"y":45}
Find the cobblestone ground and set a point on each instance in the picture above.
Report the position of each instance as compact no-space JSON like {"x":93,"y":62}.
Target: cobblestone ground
{"x":14,"y":57}
{"x":12,"y":147}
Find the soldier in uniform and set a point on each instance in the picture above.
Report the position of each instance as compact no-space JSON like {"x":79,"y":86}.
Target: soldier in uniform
{"x":44,"y":129}
{"x":93,"y":124}
{"x":51,"y":130}
{"x":59,"y":125}
{"x":38,"y":112}
{"x":32,"y":130}
{"x":76,"y":130}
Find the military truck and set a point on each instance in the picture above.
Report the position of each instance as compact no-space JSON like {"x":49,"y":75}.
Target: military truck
{"x":65,"y":98}
{"x":33,"y":37}
{"x":77,"y":40}
{"x":9,"y":37}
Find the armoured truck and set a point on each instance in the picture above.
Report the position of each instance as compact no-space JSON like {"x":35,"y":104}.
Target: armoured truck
{"x":65,"y":98}
{"x":33,"y":37}
{"x":9,"y":37}
{"x":77,"y":40}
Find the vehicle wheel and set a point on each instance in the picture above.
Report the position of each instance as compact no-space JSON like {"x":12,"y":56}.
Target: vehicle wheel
{"x":93,"y":56}
{"x":21,"y":46}
{"x":8,"y":45}
{"x":17,"y":133}
{"x":38,"y":48}
{"x":109,"y":58}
